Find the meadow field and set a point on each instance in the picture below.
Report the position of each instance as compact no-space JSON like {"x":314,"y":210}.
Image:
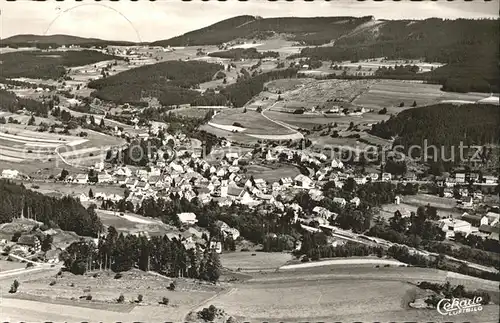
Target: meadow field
{"x":132,"y":223}
{"x":247,"y":261}
{"x":310,"y":93}
{"x":265,"y":293}
{"x":6,"y":265}
{"x":253,"y":122}
{"x":231,"y":136}
{"x":337,"y":293}
{"x":390,"y":93}
{"x":37,"y":300}
{"x":387,"y":210}
{"x":22,"y":144}
{"x":272,"y":173}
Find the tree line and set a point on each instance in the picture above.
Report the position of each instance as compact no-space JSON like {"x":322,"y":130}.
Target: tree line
{"x":43,"y":65}
{"x":65,"y":213}
{"x":310,"y":31}
{"x":442,"y":125}
{"x":244,"y":53}
{"x":12,"y":103}
{"x":120,"y":253}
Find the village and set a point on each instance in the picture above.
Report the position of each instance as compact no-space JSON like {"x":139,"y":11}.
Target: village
{"x":186,"y":164}
{"x":186,"y":173}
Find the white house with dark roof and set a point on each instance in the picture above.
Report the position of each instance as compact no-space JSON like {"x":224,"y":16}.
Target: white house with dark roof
{"x":337,"y":164}
{"x":303,"y":181}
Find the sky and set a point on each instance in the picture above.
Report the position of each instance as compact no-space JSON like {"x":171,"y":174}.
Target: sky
{"x":146,"y":21}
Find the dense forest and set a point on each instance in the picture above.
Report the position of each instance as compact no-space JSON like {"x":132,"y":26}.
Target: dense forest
{"x":65,"y":213}
{"x":469,"y":47}
{"x":47,"y":65}
{"x":442,"y":125}
{"x":120,"y":253}
{"x":241,"y":53}
{"x":172,"y":82}
{"x":242,"y":91}
{"x":10,"y":102}
{"x":311,"y":31}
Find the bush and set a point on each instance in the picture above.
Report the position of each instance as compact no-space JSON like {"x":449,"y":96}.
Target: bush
{"x":121,"y":299}
{"x":14,"y":287}
{"x":383,"y":111}
{"x":164,"y":301}
{"x":245,"y":249}
{"x":118,"y":276}
{"x":16,"y":236}
{"x":29,"y":264}
{"x":171,"y":286}
{"x":208,"y":314}
{"x":139,"y":298}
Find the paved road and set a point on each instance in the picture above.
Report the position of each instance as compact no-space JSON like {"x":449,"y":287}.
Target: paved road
{"x":37,"y":267}
{"x":297,"y":134}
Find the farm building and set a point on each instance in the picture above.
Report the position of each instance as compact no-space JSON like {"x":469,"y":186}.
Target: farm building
{"x":187,"y":218}
{"x":475,"y":220}
{"x":490,"y":231}
{"x":451,"y":226}
{"x":30,"y":241}
{"x":492,"y":218}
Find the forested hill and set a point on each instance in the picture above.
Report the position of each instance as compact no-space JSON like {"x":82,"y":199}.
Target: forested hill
{"x":45,"y":41}
{"x":443,"y":125}
{"x":311,"y":31}
{"x":172,"y":82}
{"x":65,"y":213}
{"x":469,"y":47}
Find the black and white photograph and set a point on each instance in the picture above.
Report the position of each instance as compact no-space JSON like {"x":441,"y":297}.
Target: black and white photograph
{"x":249,"y":161}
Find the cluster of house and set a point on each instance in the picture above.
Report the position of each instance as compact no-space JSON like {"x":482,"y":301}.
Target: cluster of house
{"x":484,"y":226}
{"x":10,"y":173}
{"x":485,"y":183}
